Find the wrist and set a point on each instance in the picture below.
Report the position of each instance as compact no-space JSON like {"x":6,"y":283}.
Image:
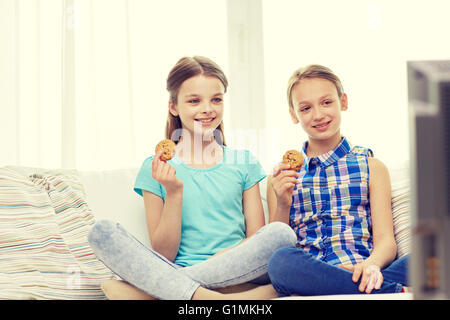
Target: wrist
{"x":283,"y":209}
{"x":282,"y":213}
{"x":175,"y":192}
{"x":372,"y":260}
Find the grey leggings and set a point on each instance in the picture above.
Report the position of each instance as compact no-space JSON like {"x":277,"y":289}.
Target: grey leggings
{"x":149,"y":271}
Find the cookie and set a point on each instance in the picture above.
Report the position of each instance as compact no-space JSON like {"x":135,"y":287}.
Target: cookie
{"x":167,"y":147}
{"x":294,"y":158}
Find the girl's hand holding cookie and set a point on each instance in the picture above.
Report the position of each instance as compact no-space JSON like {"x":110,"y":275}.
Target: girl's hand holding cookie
{"x":285,"y":177}
{"x":164,"y":173}
{"x":283,"y":183}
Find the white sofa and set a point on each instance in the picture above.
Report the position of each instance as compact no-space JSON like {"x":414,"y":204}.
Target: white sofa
{"x":45,"y":216}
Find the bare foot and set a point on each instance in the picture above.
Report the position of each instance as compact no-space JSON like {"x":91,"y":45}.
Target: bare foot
{"x":258,"y":293}
{"x":121,"y":290}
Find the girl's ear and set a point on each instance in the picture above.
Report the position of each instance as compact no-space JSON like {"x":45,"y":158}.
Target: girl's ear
{"x":293,"y":116}
{"x":173,"y":108}
{"x":344,"y":102}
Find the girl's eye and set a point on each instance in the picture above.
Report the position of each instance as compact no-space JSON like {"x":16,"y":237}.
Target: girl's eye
{"x":217,"y":100}
{"x":194,"y":101}
{"x":327,"y":102}
{"x":304,"y":108}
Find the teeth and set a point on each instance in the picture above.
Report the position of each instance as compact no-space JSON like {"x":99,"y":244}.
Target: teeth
{"x":205,"y":121}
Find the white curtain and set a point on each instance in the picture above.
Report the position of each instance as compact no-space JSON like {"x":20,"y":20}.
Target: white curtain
{"x":30,"y":82}
{"x":83,"y":81}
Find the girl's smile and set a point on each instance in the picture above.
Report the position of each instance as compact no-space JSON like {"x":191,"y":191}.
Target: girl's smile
{"x":206,"y":122}
{"x":322,"y":126}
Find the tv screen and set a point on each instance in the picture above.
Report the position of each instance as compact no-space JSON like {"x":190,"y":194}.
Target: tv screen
{"x":429,"y":109}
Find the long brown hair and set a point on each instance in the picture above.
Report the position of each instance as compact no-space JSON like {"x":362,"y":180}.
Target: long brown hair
{"x":313,"y":71}
{"x":185,"y":68}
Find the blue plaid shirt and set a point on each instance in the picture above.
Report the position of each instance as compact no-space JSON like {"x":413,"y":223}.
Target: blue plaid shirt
{"x":330,"y":212}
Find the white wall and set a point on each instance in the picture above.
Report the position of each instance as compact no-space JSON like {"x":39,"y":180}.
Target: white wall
{"x":366,"y":43}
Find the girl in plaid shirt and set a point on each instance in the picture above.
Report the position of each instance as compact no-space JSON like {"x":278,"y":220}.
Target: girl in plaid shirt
{"x":338,"y":203}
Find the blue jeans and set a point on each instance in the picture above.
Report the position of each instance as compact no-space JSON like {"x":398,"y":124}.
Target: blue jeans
{"x":151,"y":272}
{"x":294,"y":271}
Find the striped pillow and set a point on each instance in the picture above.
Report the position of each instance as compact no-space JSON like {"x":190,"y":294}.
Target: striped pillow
{"x":401,"y":212}
{"x":44,"y":253}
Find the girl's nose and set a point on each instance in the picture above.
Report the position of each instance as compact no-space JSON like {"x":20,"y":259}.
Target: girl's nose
{"x":317,"y":113}
{"x":206,"y":107}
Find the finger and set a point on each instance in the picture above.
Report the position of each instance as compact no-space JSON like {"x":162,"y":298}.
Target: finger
{"x":280,"y":182}
{"x":379,"y":281}
{"x":283,"y":175}
{"x":356,"y":273}
{"x":364,"y":280}
{"x":155,"y":164}
{"x":371,"y":282}
{"x":276,"y":170}
{"x":279,"y":168}
{"x":288,"y":173}
{"x":284,"y":189}
{"x":161,"y":170}
{"x":289,"y":180}
{"x":158,"y":155}
{"x":172,"y":172}
{"x":156,"y":159}
{"x":165,"y":167}
{"x":346,"y":267}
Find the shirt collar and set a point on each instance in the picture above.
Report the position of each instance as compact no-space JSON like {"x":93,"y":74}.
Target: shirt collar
{"x":330,"y":157}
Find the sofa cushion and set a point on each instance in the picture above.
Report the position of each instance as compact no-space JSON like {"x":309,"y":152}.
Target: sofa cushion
{"x":44,"y":253}
{"x":111,"y":196}
{"x":401,"y":209}
{"x":401,"y":212}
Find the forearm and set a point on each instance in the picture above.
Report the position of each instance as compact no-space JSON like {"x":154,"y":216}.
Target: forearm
{"x":166,"y":237}
{"x":280,"y":188}
{"x":281,"y":214}
{"x":383,"y":253}
{"x":384,"y":245}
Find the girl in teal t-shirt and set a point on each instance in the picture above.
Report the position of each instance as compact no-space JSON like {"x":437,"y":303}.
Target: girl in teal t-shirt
{"x":216,"y":222}
{"x":203,"y":208}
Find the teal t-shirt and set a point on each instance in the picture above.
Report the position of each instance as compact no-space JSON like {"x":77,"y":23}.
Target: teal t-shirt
{"x":212,"y":217}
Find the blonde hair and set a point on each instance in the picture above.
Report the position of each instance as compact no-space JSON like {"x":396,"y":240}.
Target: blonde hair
{"x":185,"y":68}
{"x":313,"y":71}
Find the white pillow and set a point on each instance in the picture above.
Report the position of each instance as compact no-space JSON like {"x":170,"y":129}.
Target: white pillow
{"x":110,"y":195}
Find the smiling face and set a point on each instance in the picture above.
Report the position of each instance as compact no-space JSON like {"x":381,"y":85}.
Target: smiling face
{"x":317,"y":106}
{"x":199,"y":104}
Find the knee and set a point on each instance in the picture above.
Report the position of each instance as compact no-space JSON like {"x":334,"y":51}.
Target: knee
{"x":100,"y":233}
{"x":281,"y":233}
{"x":288,"y":261}
{"x":280,"y":264}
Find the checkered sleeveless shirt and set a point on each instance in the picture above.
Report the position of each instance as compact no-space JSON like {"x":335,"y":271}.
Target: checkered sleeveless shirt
{"x":330,"y":212}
